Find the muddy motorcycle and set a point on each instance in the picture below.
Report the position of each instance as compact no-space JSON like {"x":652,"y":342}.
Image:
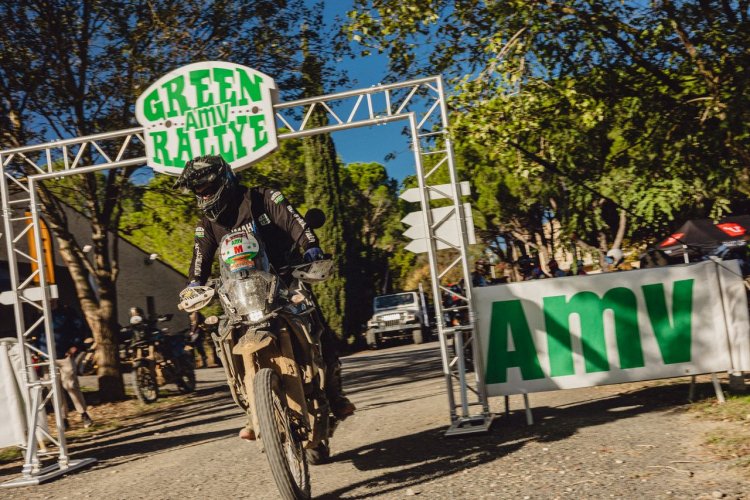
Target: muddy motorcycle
{"x":158,"y":358}
{"x":269,"y":341}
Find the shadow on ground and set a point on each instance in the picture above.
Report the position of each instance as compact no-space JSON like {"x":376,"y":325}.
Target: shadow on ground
{"x":152,"y":432}
{"x":382,"y":369}
{"x":404,"y":461}
{"x":432,"y":455}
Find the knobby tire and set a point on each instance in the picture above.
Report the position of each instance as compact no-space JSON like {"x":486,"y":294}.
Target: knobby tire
{"x":270,"y":404}
{"x":143,"y":383}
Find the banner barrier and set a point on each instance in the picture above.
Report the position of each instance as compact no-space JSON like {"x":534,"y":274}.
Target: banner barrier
{"x":584,"y":331}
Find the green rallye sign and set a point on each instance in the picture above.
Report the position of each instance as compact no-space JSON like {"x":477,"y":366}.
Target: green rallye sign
{"x":602,"y":329}
{"x":208,"y":108}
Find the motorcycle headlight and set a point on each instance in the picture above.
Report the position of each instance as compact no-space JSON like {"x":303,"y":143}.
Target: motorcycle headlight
{"x":255,"y":315}
{"x":250,"y":296}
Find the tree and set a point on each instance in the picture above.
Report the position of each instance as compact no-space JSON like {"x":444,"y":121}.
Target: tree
{"x":372,"y":227}
{"x":322,"y":190}
{"x":72,"y":68}
{"x":584,"y":97}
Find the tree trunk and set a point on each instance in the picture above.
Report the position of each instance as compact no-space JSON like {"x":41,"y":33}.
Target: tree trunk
{"x":101,"y":313}
{"x":111,"y":387}
{"x":620,"y":235}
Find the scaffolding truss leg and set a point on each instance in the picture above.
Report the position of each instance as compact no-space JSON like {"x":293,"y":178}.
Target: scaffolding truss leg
{"x":717,"y":389}
{"x":477,"y":424}
{"x":48,"y":473}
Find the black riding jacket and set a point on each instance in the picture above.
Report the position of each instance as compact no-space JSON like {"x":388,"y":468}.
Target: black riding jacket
{"x":264,"y":211}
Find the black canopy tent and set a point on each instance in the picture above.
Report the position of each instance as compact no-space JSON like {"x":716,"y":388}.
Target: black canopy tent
{"x":702,"y":236}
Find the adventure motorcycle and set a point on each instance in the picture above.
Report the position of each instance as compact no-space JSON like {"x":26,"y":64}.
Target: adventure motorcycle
{"x":158,"y":358}
{"x":269,"y":341}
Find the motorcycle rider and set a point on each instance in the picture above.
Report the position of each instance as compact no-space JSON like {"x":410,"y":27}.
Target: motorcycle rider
{"x":227,"y":206}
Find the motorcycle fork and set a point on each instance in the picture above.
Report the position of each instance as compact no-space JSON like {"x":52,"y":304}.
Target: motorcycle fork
{"x":225,"y":344}
{"x":278,"y":356}
{"x":153,"y":365}
{"x":316,"y":402}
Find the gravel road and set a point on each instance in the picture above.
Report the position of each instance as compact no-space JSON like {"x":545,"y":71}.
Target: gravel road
{"x":624,"y":441}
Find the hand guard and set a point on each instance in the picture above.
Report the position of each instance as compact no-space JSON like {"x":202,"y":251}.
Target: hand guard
{"x":312,"y":254}
{"x":195,"y":297}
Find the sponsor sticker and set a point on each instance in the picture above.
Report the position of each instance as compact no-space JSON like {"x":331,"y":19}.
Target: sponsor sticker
{"x":264,"y":219}
{"x":241,"y":264}
{"x":200,"y":232}
{"x":277,"y":197}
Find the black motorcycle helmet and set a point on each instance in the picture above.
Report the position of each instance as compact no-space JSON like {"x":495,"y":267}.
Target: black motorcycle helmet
{"x":212,"y":181}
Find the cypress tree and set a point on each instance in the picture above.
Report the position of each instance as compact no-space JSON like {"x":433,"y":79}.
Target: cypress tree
{"x":322,"y":191}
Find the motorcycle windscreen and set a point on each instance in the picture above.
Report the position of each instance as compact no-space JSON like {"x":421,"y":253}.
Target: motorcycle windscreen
{"x":244,"y":273}
{"x":250,"y":295}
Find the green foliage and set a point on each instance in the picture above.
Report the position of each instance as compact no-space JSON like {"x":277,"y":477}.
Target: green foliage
{"x":588,"y":113}
{"x":161,"y":220}
{"x":322,"y":190}
{"x":372,"y":228}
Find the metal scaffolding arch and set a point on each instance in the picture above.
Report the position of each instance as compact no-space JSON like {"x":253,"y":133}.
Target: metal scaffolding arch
{"x":420,"y":103}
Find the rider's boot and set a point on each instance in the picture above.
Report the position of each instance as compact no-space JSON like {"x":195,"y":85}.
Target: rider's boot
{"x":248,"y":433}
{"x":341,"y":407}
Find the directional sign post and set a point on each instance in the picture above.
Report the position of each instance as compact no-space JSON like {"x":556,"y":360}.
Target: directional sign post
{"x":449,"y":230}
{"x":439,"y":192}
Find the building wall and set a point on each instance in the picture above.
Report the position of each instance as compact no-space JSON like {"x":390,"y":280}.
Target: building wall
{"x":151,"y":285}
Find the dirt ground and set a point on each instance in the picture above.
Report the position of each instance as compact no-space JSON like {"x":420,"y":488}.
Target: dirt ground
{"x":624,"y":441}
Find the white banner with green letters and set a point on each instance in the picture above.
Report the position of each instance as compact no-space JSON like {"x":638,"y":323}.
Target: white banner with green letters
{"x":584,"y":331}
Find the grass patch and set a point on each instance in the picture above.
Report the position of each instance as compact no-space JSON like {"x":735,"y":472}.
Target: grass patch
{"x":729,"y":443}
{"x":10,"y":454}
{"x":736,"y":409}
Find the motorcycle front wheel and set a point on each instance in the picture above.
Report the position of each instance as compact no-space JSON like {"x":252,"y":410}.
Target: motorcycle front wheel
{"x":144,"y":385}
{"x":285,"y":453}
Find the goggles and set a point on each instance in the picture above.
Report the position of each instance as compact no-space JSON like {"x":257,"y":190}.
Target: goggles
{"x":207,"y":188}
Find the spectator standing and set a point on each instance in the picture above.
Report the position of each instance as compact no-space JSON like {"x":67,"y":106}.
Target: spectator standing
{"x":554,"y":269}
{"x":480,"y":275}
{"x":198,"y":335}
{"x":69,"y":331}
{"x":580,"y":271}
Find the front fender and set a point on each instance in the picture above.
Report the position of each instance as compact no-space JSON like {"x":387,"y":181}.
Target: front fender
{"x":252,"y":341}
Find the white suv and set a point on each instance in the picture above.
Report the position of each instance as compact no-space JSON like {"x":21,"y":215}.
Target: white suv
{"x":398,"y":315}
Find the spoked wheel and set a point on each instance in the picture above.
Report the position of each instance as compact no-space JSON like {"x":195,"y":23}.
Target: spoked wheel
{"x":144,"y":385}
{"x":186,"y":381}
{"x":285,"y":453}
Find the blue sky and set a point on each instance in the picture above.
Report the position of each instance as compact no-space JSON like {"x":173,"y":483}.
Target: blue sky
{"x":370,"y":144}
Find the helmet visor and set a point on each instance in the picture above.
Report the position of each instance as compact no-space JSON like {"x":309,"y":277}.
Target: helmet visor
{"x":207,"y":189}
